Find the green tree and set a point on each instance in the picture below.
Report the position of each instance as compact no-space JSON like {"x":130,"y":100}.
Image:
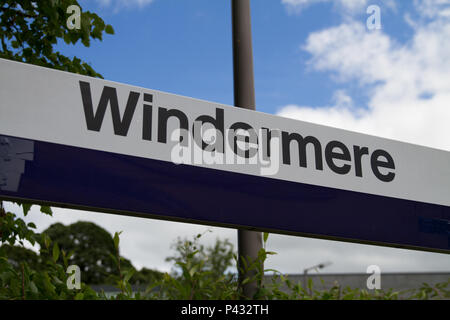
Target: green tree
{"x":23,"y":279}
{"x":29,"y":31}
{"x":17,"y":254}
{"x":90,"y":247}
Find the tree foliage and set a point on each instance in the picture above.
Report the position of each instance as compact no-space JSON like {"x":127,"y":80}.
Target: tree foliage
{"x":29,"y":31}
{"x":17,"y":254}
{"x":90,"y":247}
{"x":216,"y":260}
{"x":193,"y":281}
{"x":34,"y":277}
{"x":200,"y":272}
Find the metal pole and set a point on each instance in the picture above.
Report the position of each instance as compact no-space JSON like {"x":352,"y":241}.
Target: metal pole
{"x":249,"y":242}
{"x":305,"y":282}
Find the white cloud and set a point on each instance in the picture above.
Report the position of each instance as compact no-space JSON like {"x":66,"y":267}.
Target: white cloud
{"x":433,"y":8}
{"x":350,"y":5}
{"x":344,"y":6}
{"x":297,"y":254}
{"x":409,"y":95}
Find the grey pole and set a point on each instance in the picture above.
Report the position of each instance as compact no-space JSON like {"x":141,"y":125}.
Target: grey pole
{"x":249,"y":242}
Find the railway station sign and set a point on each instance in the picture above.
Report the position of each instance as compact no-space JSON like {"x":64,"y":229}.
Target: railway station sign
{"x":74,"y":141}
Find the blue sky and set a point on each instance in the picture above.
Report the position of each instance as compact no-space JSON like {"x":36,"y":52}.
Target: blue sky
{"x":185,"y":47}
{"x":314,"y":60}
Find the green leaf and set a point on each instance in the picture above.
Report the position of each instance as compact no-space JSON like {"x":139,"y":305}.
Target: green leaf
{"x":193,"y":270}
{"x":55,"y":252}
{"x":114,"y":259}
{"x":31,"y":225}
{"x":109,"y":29}
{"x":128,"y":275}
{"x":26,"y":208}
{"x":310,"y":283}
{"x":46,"y":240}
{"x":117,"y":240}
{"x":46,"y":210}
{"x":266,"y":236}
{"x":79,"y":296}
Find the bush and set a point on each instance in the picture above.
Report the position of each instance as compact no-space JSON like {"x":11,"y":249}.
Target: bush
{"x":199,"y":273}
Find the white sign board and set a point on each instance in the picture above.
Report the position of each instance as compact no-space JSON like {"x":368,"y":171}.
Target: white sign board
{"x":74,"y":111}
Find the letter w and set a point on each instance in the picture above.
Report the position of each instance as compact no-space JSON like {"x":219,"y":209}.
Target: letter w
{"x":109,"y":96}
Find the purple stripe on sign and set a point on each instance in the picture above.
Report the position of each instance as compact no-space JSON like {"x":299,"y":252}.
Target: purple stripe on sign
{"x":108,"y":182}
